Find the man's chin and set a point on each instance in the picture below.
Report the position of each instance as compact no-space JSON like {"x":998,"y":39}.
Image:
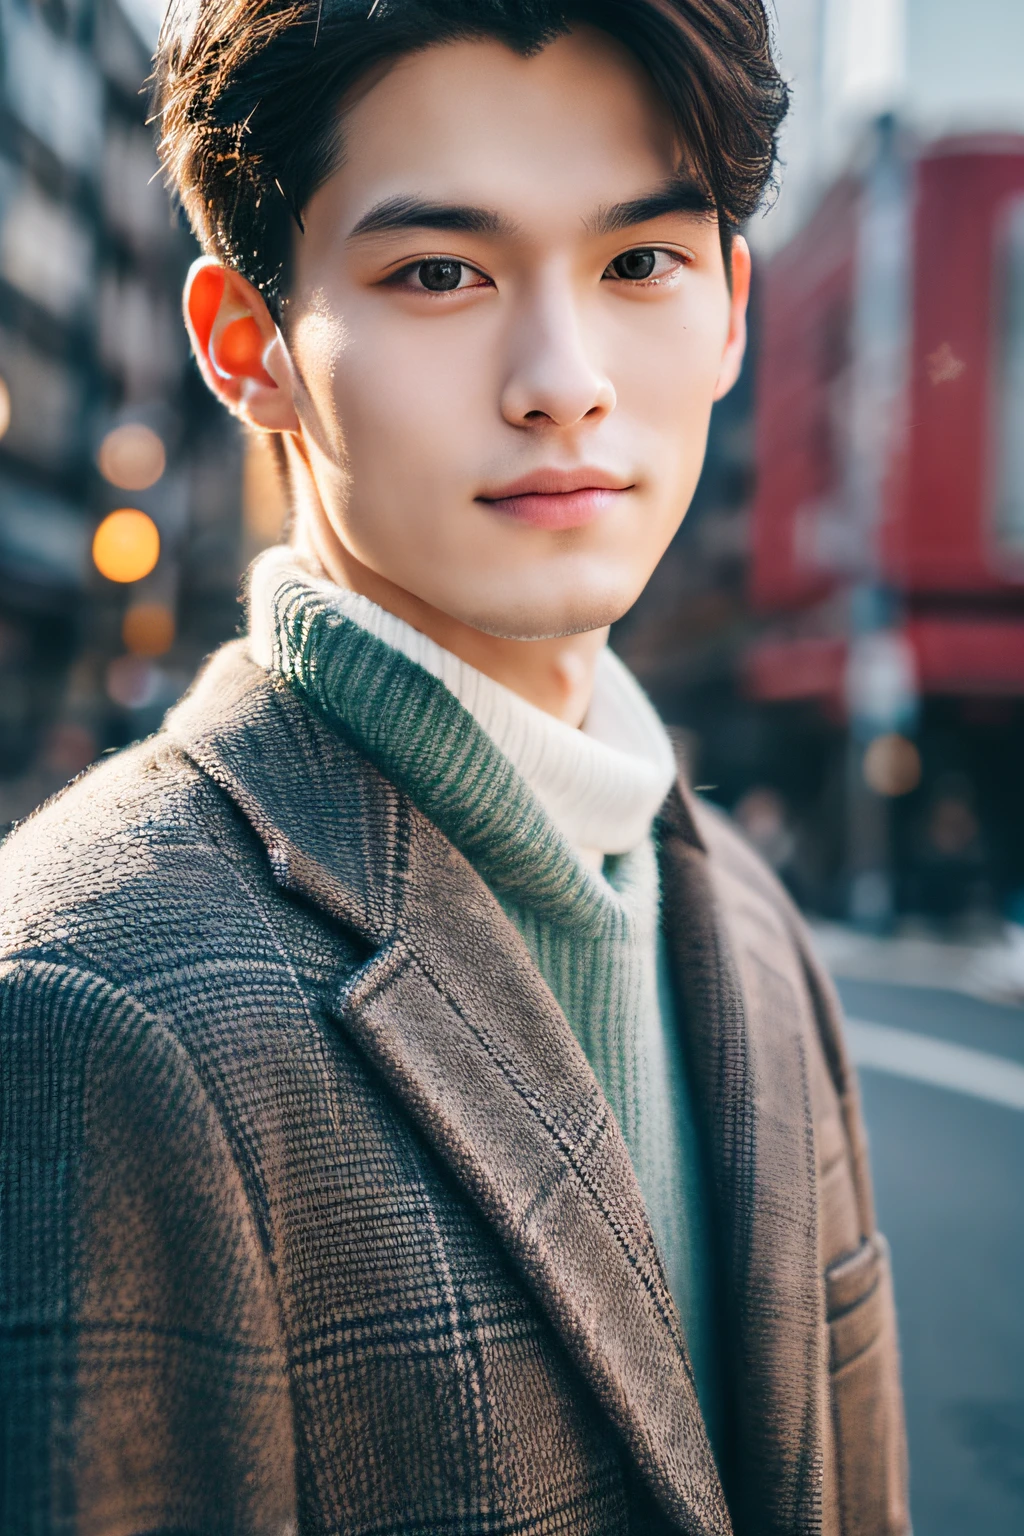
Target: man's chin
{"x":575,"y":614}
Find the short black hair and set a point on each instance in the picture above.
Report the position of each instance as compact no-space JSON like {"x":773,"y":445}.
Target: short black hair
{"x":247,"y":93}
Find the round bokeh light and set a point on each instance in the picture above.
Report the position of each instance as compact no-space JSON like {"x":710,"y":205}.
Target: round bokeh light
{"x":133,"y":682}
{"x":148,"y":629}
{"x":132,"y":457}
{"x":5,"y":407}
{"x":892,"y":765}
{"x":126,"y":545}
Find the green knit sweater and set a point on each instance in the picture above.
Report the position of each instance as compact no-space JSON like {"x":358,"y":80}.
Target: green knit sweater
{"x":594,"y":940}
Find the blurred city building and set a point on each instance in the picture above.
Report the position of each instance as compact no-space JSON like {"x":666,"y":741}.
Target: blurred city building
{"x":840,"y":623}
{"x":103,"y":618}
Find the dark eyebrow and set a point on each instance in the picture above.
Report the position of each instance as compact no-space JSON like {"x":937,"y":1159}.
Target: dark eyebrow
{"x":679,"y":195}
{"x":413,"y":213}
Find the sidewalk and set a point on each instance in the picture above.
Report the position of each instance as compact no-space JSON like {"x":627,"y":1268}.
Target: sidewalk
{"x":991,"y":968}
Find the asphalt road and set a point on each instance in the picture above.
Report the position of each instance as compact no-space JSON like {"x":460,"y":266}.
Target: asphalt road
{"x":949,"y":1184}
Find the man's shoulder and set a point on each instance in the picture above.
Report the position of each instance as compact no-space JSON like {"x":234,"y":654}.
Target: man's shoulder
{"x":753,"y":899}
{"x":131,"y":839}
{"x":169,"y":862}
{"x":733,"y":861}
{"x":727,"y":847}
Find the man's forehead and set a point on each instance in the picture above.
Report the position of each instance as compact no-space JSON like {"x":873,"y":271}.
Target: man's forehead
{"x":457,"y":121}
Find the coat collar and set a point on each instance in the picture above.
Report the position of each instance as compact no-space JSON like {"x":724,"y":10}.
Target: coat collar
{"x":469,"y":1037}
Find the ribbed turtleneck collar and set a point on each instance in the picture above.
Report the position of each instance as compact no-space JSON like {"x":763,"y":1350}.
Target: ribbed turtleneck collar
{"x":601,"y":785}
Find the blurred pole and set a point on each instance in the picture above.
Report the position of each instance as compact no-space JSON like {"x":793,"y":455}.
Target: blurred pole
{"x":881,"y":691}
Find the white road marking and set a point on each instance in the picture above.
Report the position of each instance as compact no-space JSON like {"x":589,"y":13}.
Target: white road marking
{"x":883,"y":1048}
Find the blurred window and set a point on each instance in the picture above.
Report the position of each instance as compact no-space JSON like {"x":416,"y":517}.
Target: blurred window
{"x":47,"y":421}
{"x":10,"y":185}
{"x":42,"y":539}
{"x":1010,"y":341}
{"x":52,"y":87}
{"x":142,"y":338}
{"x":133,"y":193}
{"x":124,"y":44}
{"x":46,"y":251}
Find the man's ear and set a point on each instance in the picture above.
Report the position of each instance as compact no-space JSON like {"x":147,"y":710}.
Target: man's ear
{"x":736,"y":341}
{"x":239,"y":349}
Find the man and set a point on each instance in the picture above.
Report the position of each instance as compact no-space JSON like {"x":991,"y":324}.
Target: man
{"x":421,"y":1114}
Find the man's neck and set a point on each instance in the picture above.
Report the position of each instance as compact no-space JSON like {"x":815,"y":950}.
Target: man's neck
{"x":556,"y":675}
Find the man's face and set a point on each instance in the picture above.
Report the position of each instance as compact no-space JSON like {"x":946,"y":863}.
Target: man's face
{"x":502,"y":372}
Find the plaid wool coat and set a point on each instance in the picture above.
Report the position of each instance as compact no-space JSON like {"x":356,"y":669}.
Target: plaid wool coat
{"x":313,"y":1217}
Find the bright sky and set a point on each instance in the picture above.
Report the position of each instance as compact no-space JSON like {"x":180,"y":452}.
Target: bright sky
{"x":145,"y":16}
{"x":867,"y":47}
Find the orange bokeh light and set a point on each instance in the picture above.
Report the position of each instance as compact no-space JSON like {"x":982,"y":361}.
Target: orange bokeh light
{"x":148,"y":629}
{"x":126,"y":545}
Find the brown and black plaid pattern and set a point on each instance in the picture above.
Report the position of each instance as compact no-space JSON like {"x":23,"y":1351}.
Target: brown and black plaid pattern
{"x":313,"y":1217}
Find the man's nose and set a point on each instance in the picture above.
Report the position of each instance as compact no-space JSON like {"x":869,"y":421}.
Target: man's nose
{"x":552,"y":379}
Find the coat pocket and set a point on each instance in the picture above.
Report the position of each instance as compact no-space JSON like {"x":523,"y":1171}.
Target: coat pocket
{"x":867,"y":1401}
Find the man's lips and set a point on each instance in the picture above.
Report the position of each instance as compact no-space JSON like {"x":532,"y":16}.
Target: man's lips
{"x":558,"y":498}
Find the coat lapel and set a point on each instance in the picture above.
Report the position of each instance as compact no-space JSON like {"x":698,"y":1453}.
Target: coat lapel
{"x":453,"y":1014}
{"x":745,"y":1020}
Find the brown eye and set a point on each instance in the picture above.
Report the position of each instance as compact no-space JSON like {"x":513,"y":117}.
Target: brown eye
{"x":635,"y":266}
{"x":440,"y":275}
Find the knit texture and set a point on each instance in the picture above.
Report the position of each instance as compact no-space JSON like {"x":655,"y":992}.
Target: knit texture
{"x":601,"y":785}
{"x":594,"y":938}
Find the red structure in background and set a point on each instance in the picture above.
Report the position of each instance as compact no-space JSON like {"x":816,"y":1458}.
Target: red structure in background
{"x":802,"y":391}
{"x":946,"y":539}
{"x":939,"y":541}
{"x":940,"y":534}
